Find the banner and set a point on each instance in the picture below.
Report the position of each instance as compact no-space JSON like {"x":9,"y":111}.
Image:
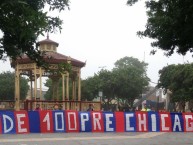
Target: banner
{"x":97,"y":121}
{"x":153,"y":121}
{"x":188,"y":122}
{"x":119,"y":121}
{"x":177,"y":122}
{"x":85,"y":122}
{"x":59,"y":121}
{"x":109,"y":122}
{"x":47,"y":121}
{"x":72,"y":121}
{"x":8,"y":122}
{"x":21,"y":122}
{"x":34,"y":121}
{"x":130,"y":122}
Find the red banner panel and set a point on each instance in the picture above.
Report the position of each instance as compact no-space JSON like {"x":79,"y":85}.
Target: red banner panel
{"x":165,"y":122}
{"x":120,"y":121}
{"x":188,"y":122}
{"x":46,"y":121}
{"x":141,"y":121}
{"x":97,"y":122}
{"x":22,"y":122}
{"x":72,"y":121}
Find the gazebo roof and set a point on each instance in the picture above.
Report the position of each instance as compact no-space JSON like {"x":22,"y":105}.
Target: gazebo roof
{"x":51,"y":58}
{"x":48,"y":41}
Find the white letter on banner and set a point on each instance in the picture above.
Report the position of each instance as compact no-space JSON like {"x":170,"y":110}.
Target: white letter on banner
{"x":164,"y":128}
{"x":83,"y":118}
{"x":96,"y":121}
{"x":20,"y":129}
{"x":108,"y":122}
{"x":56,"y":121}
{"x":153,"y":122}
{"x":5,"y":117}
{"x":142,"y":122}
{"x":70,"y":121}
{"x":189,"y":126}
{"x":47,"y":119}
{"x":177,"y":123}
{"x":128,"y":124}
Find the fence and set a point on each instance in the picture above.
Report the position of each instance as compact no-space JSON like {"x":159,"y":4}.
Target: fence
{"x":49,"y":105}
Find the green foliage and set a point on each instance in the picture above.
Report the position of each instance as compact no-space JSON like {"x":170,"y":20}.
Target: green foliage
{"x":126,"y":81}
{"x":48,"y":95}
{"x":131,"y":79}
{"x":22,"y":21}
{"x":169,"y":24}
{"x":178,"y":78}
{"x":7,"y":83}
{"x":90,"y":88}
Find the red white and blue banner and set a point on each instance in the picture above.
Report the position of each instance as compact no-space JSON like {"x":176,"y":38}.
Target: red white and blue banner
{"x":47,"y":121}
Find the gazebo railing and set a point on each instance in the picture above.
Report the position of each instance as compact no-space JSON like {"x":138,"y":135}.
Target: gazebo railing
{"x":63,"y":105}
{"x":49,"y":105}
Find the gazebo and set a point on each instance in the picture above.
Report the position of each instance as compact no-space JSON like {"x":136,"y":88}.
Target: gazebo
{"x":59,"y":67}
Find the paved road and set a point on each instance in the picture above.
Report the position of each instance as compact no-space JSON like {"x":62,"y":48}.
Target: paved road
{"x":158,"y":138}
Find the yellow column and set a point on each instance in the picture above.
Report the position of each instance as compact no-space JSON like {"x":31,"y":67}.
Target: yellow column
{"x":63,"y":91}
{"x":40,"y":83}
{"x":40,"y":87}
{"x":67,"y":89}
{"x":79,"y":85}
{"x":17,"y":87}
{"x":75,"y":84}
{"x":35,"y":85}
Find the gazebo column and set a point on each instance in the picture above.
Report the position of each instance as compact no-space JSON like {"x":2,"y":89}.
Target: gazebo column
{"x":40,"y":84}
{"x":35,"y":85}
{"x":63,"y":91}
{"x":17,"y":89}
{"x":31,"y":87}
{"x":73,"y":94}
{"x":67,"y":90}
{"x":79,"y":85}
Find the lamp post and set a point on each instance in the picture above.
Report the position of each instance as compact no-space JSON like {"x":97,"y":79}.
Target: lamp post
{"x":157,"y":97}
{"x":100,"y":95}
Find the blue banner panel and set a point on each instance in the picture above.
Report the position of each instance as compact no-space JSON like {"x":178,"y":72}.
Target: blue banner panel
{"x":85,"y":121}
{"x":177,"y":122}
{"x":8,"y":122}
{"x":153,"y":121}
{"x":34,"y":121}
{"x":109,"y":122}
{"x":130,"y":121}
{"x":59,"y":121}
{"x":0,"y":123}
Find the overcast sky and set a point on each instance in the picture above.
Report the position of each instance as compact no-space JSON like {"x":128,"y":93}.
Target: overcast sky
{"x":101,"y":32}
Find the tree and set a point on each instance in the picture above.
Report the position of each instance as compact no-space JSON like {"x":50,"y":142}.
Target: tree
{"x":7,"y":83}
{"x":169,"y":24}
{"x":131,"y":79}
{"x":178,"y":78}
{"x":90,"y":88}
{"x":49,"y":92}
{"x":22,"y":21}
{"x":107,"y":84}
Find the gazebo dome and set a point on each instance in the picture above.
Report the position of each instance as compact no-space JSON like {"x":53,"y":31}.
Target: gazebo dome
{"x":48,"y":45}
{"x":50,"y":55}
